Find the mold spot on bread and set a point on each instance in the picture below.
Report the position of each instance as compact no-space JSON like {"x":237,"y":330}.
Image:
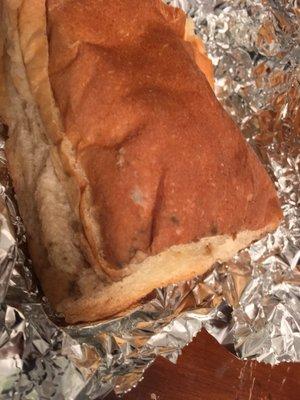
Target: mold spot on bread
{"x":119,"y":264}
{"x":137,"y":196}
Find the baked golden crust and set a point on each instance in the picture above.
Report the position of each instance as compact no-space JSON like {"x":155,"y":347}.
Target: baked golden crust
{"x":133,"y":176}
{"x":164,"y":163}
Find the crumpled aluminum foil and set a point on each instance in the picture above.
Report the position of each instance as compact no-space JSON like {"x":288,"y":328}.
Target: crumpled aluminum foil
{"x":250,"y":305}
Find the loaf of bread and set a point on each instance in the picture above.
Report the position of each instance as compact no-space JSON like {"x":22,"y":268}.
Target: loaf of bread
{"x":128,"y":173}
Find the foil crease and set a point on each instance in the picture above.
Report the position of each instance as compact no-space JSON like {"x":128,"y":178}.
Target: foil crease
{"x":251,"y":305}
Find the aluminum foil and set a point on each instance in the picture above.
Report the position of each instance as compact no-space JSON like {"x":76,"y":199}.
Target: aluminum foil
{"x":251,"y":305}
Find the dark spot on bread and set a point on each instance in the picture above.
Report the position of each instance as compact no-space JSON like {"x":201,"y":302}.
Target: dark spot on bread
{"x":132,"y":251}
{"x":208,"y":249}
{"x":214,"y":229}
{"x":74,"y":289}
{"x":76,"y":226}
{"x":175,"y":220}
{"x":141,"y":232}
{"x":119,"y":264}
{"x":4,"y":131}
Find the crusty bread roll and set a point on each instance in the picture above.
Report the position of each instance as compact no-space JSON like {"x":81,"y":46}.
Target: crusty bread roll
{"x":128,"y":173}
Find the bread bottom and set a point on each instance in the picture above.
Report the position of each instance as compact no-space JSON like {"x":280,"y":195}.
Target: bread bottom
{"x":178,"y":263}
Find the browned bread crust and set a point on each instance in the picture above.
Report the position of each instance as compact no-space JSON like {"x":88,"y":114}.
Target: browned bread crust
{"x":144,"y":180}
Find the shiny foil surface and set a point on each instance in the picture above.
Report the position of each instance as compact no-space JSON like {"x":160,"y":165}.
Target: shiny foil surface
{"x":251,"y":305}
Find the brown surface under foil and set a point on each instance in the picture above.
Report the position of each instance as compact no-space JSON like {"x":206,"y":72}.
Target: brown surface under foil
{"x":207,"y":371}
